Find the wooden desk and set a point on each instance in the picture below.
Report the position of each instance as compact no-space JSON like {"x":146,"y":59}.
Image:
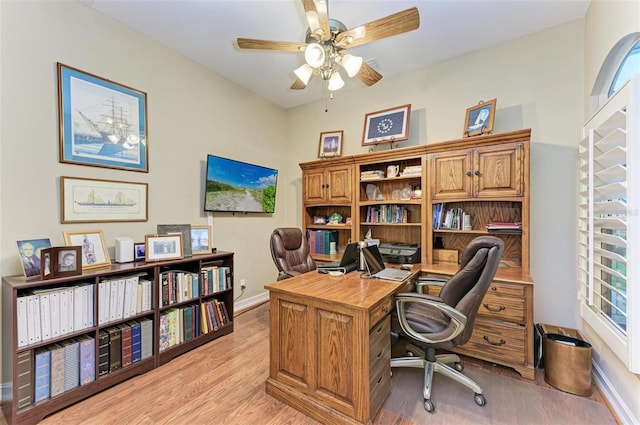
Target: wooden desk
{"x":330,"y":345}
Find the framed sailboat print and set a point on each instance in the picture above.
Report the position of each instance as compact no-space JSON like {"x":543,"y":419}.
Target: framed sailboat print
{"x":102,"y":201}
{"x":101,"y":123}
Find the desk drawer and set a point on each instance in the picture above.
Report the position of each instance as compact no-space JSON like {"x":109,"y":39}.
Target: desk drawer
{"x":496,"y":341}
{"x":381,"y":310}
{"x":503,"y":308}
{"x":506,"y":289}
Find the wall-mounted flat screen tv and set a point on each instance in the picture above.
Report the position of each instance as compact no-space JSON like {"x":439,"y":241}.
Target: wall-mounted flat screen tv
{"x":235,"y":186}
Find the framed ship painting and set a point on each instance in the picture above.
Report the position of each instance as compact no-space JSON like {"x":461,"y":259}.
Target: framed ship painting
{"x":95,"y":201}
{"x":101,"y":123}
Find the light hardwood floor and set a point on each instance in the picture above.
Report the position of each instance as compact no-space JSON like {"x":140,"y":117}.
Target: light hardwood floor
{"x":219,"y":383}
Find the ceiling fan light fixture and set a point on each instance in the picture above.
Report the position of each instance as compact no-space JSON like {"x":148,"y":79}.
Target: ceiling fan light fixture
{"x":314,"y":54}
{"x":304,"y":73}
{"x":335,"y":82}
{"x":351,"y":64}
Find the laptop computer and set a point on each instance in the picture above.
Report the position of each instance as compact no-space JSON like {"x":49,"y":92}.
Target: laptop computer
{"x":348,"y":263}
{"x":376,"y":268}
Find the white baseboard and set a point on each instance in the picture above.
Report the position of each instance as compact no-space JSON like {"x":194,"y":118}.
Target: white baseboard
{"x":251,"y":302}
{"x":609,"y":392}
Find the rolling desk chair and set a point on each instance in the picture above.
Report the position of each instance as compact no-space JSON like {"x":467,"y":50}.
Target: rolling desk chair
{"x":446,"y":321}
{"x":290,"y":252}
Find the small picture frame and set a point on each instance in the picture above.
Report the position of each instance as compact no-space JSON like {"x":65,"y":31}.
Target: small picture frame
{"x":386,"y":126}
{"x":183,"y":229}
{"x":163,"y":247}
{"x":29,"y":252}
{"x":139,"y":251}
{"x":61,"y":261}
{"x":200,"y":239}
{"x":94,"y":248}
{"x":479,"y":118}
{"x":330,"y":144}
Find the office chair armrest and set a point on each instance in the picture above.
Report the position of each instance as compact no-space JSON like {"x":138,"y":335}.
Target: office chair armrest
{"x":287,"y":274}
{"x":458,"y":320}
{"x":429,"y":281}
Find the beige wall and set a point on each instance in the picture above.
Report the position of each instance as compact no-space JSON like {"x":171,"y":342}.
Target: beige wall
{"x":538,"y":80}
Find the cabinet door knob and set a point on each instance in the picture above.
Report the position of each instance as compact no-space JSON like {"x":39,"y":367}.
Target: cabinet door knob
{"x":469,"y":173}
{"x":385,"y":309}
{"x":477,"y":173}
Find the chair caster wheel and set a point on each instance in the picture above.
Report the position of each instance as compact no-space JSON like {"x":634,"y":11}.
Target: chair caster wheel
{"x":458,"y":366}
{"x":479,"y":399}
{"x":429,"y":406}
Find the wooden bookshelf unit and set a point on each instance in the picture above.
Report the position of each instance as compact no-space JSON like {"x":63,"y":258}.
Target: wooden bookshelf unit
{"x":392,"y":194}
{"x":164,"y":308}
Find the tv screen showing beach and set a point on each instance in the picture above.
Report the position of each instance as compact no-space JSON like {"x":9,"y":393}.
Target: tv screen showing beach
{"x":236,"y":186}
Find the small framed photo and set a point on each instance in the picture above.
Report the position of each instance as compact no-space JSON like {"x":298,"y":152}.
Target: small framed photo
{"x":200,"y":239}
{"x":386,"y":126}
{"x":139,"y":251}
{"x":86,"y":136}
{"x":61,"y":262}
{"x":29,"y":251}
{"x":183,"y":229}
{"x":94,"y":248}
{"x":330,"y":144}
{"x":479,"y":118}
{"x":163,"y":247}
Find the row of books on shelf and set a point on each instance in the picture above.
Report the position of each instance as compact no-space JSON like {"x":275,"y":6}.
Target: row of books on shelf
{"x":177,"y":286}
{"x":51,"y":370}
{"x":451,"y":218}
{"x":45,"y":314}
{"x":181,"y":324}
{"x":320,"y":240}
{"x":387,"y":214}
{"x":123,"y":297}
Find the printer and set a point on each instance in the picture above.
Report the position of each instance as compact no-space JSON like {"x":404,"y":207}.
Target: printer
{"x":400,"y":253}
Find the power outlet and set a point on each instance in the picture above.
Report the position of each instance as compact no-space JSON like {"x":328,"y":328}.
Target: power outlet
{"x":243,"y":283}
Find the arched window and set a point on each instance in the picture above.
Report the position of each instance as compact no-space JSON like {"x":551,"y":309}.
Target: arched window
{"x":630,"y":65}
{"x":622,"y":61}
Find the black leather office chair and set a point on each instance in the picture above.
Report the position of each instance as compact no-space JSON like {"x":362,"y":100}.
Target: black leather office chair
{"x":290,"y":252}
{"x":446,"y":321}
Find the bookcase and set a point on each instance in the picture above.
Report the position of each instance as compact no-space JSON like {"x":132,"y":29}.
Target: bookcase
{"x":327,"y":189}
{"x":66,"y":339}
{"x":395,"y":193}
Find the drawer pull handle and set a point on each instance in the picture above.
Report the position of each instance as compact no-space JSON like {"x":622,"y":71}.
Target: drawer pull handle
{"x":493,"y":288}
{"x":379,"y":354}
{"x":495,"y":310}
{"x":385,"y":309}
{"x":379,"y":380}
{"x":502,"y":341}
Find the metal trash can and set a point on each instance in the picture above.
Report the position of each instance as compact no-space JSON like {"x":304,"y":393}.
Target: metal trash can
{"x":567,"y":360}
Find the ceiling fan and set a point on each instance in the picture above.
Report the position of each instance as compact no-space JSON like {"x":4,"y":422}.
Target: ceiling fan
{"x":326,"y":43}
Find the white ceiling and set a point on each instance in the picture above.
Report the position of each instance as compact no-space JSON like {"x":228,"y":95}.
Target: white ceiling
{"x":206,"y":31}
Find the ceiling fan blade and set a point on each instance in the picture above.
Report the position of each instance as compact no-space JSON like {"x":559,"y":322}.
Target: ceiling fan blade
{"x":318,"y":18}
{"x":398,"y":23}
{"x":368,"y":75}
{"x":298,"y":85}
{"x":287,"y":46}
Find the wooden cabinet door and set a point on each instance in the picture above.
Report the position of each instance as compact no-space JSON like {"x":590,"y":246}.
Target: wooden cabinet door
{"x":499,"y":171}
{"x":450,"y":175}
{"x":338,"y":185}
{"x":314,"y":187}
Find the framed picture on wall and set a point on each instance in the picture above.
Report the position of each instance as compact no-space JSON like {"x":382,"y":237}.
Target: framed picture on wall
{"x":479,"y":118}
{"x":101,"y":123}
{"x":330,"y":144}
{"x":386,"y":126}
